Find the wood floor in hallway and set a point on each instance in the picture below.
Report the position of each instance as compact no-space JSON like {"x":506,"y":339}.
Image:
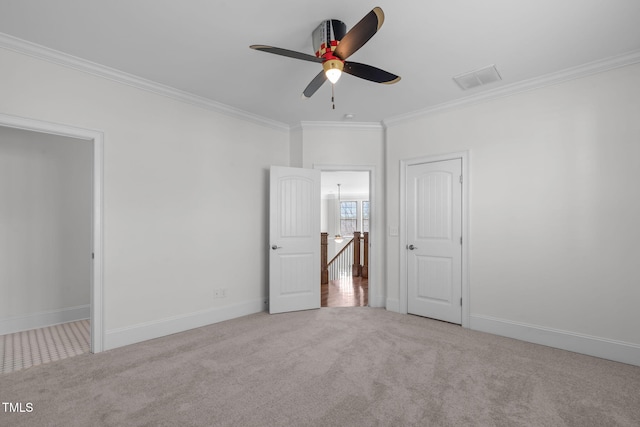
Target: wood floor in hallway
{"x":347,"y":292}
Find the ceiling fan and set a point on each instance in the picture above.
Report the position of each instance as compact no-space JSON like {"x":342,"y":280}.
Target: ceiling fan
{"x":333,"y":45}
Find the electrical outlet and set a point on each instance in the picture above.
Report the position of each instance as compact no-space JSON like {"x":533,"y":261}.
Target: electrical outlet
{"x":223,"y":293}
{"x":217,"y":293}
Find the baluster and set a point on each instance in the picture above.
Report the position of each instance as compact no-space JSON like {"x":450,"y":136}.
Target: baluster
{"x":352,"y":259}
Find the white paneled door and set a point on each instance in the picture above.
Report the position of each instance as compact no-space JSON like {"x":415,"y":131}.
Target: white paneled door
{"x":294,"y":252}
{"x":434,"y":240}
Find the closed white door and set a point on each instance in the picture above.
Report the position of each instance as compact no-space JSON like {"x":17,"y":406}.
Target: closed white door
{"x":294,"y":252}
{"x":434,"y":240}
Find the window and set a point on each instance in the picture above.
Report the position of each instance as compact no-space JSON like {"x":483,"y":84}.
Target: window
{"x":365,"y":216}
{"x":348,"y":218}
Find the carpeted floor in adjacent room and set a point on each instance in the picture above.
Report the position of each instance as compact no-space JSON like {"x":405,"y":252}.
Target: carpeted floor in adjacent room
{"x":21,"y":350}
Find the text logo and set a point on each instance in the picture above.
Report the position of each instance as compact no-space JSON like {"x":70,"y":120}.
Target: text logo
{"x":18,"y":407}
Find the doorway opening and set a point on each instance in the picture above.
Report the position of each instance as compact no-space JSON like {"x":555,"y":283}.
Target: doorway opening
{"x":53,"y":254}
{"x":346,"y":218}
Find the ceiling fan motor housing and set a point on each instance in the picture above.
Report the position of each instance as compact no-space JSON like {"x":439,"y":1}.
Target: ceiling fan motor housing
{"x":326,"y":37}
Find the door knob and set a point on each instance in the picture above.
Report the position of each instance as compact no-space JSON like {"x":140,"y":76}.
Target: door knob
{"x":411,"y":247}
{"x":274,"y":247}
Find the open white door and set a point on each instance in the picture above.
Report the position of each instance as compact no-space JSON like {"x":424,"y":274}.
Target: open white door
{"x":294,"y":253}
{"x":434,"y":240}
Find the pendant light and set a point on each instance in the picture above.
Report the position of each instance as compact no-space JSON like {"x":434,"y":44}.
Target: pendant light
{"x":338,"y":238}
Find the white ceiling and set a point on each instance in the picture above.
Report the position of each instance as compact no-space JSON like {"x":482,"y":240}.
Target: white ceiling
{"x":202,"y":46}
{"x":351,"y":183}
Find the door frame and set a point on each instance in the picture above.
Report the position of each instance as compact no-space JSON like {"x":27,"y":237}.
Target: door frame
{"x":97,"y":139}
{"x":404,"y":279}
{"x":375,"y":299}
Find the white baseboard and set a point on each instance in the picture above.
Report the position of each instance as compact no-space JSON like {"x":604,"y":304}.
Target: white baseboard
{"x":618,"y":351}
{"x":377,"y":302}
{"x":27,"y":322}
{"x":159,"y":328}
{"x":393,"y":305}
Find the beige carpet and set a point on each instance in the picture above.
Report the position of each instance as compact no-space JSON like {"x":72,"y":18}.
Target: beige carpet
{"x":25,"y":349}
{"x":327,"y":367}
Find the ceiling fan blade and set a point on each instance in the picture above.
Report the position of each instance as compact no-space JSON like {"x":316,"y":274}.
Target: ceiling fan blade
{"x":286,"y":52}
{"x":370,"y":73}
{"x":357,"y":36}
{"x":314,"y":85}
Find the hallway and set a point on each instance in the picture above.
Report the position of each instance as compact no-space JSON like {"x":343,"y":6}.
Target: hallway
{"x":348,"y":291}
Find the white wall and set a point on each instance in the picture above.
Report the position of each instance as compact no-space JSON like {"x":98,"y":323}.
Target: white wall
{"x":45,"y":229}
{"x":326,"y":206}
{"x":554,"y":204}
{"x":295,"y":147}
{"x":175,"y":227}
{"x":354,"y":145}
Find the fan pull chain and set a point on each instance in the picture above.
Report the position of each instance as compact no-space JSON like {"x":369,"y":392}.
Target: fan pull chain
{"x":332,"y":96}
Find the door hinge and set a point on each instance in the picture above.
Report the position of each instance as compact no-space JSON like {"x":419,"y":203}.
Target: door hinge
{"x":92,"y":255}
{"x":460,"y":239}
{"x":460,"y":302}
{"x":460,"y":179}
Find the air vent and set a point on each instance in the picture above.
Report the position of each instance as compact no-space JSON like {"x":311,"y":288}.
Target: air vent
{"x":479,"y":77}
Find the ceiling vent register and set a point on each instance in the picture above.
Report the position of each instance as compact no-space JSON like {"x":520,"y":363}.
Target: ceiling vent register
{"x":483,"y":76}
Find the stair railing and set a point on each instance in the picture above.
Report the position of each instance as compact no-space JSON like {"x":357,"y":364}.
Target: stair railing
{"x":341,"y":264}
{"x":353,"y":259}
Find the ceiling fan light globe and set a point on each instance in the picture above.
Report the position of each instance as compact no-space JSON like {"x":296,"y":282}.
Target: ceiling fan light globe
{"x":333,"y":69}
{"x":333,"y":75}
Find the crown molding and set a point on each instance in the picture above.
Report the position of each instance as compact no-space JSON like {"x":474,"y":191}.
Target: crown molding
{"x":523,"y":86}
{"x":60,"y":58}
{"x":307,"y":125}
{"x":44,"y":53}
